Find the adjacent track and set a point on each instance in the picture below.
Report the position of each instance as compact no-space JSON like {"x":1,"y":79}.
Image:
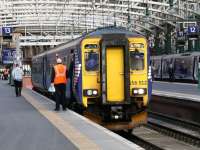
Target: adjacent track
{"x":165,"y":131}
{"x":151,"y":139}
{"x":185,"y":131}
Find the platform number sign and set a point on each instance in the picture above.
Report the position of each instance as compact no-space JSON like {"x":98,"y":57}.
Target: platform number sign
{"x":193,"y":32}
{"x":6,"y":31}
{"x":192,"y":29}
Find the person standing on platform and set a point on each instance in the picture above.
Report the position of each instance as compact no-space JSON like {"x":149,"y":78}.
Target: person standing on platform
{"x":59,"y":78}
{"x":17,"y":75}
{"x":71,"y":76}
{"x":5,"y":73}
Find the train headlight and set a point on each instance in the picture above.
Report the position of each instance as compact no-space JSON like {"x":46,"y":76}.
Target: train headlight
{"x":139,"y":91}
{"x":94,"y":92}
{"x":135,"y":91}
{"x":90,"y":92}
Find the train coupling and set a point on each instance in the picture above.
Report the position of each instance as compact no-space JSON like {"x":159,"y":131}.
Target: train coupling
{"x":116,"y":112}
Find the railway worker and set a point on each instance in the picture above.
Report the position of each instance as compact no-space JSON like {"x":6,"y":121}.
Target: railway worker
{"x":59,"y":79}
{"x":17,"y":75}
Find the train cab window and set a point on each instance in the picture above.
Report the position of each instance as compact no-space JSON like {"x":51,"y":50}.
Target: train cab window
{"x":136,"y":60}
{"x":91,"y":61}
{"x":91,"y":46}
{"x":136,"y":45}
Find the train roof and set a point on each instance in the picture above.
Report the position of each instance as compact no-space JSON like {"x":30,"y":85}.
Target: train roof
{"x":176,"y":55}
{"x":95,"y":33}
{"x":112,"y":30}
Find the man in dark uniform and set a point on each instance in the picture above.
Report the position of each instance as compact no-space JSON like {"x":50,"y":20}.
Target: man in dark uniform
{"x":59,"y":78}
{"x":71,"y":75}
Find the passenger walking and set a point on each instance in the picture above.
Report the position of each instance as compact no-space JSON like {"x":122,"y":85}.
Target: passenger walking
{"x":17,"y":75}
{"x":59,"y":79}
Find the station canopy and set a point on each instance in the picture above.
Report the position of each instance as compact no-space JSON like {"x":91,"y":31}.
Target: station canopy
{"x":70,"y":18}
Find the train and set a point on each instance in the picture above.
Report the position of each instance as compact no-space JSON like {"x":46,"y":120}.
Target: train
{"x":176,"y":67}
{"x":111,"y":75}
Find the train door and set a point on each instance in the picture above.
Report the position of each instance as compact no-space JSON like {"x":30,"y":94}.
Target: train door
{"x":115,"y":74}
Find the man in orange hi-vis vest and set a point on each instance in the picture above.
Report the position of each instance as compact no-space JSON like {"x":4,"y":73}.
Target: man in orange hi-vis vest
{"x":59,"y":80}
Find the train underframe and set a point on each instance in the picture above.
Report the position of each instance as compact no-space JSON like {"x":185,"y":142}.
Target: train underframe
{"x":117,"y":116}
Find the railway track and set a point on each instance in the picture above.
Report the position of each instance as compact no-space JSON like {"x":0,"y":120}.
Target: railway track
{"x":186,"y":131}
{"x":163,"y":133}
{"x":174,"y":120}
{"x":150,"y":139}
{"x":139,"y":140}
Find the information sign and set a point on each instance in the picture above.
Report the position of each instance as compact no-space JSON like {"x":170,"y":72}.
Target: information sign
{"x":7,"y":55}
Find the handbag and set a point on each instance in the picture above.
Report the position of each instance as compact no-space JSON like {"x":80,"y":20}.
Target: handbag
{"x":52,"y":88}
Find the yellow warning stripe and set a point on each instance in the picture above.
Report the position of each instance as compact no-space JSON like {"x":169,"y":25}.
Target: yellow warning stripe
{"x":77,"y":138}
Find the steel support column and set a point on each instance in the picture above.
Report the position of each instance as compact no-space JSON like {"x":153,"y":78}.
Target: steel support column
{"x":168,"y":39}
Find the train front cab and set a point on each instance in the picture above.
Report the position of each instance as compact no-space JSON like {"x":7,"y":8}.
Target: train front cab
{"x":114,"y":80}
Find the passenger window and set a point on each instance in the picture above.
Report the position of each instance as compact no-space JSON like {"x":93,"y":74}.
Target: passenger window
{"x":91,"y":61}
{"x":136,"y":60}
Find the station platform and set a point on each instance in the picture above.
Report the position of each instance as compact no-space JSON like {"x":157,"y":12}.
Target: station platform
{"x":29,"y":123}
{"x":184,"y":91}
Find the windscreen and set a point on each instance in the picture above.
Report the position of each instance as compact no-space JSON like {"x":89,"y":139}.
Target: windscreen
{"x":91,"y":61}
{"x":136,"y":60}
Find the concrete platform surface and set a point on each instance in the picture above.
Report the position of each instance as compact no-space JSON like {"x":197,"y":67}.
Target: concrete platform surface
{"x":29,"y":123}
{"x":23,"y":128}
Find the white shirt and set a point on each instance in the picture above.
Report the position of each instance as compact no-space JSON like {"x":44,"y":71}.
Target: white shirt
{"x":17,"y":74}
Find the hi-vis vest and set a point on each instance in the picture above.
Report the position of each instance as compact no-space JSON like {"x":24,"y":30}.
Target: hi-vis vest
{"x":60,"y":74}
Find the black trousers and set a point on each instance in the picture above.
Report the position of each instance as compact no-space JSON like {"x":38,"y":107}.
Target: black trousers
{"x":60,"y":96}
{"x":18,"y":87}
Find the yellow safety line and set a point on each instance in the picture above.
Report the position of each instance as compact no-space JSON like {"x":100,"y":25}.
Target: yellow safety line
{"x":77,"y":138}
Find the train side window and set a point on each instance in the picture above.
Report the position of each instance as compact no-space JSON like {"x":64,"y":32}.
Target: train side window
{"x":136,"y":60}
{"x":91,"y":61}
